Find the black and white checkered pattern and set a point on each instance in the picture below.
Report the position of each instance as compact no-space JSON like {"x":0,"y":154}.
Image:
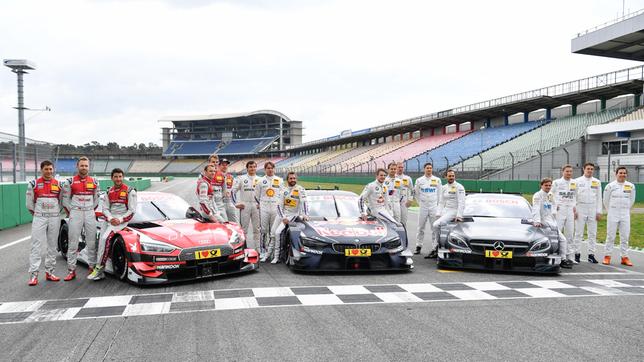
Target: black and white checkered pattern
{"x":180,"y":302}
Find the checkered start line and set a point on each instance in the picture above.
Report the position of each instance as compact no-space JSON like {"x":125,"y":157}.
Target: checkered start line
{"x":181,"y":302}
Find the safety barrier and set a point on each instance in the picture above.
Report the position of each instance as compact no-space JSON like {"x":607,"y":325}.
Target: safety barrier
{"x":14,"y":211}
{"x":509,"y":186}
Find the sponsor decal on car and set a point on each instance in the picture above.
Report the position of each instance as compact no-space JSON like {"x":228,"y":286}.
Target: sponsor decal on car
{"x":167,"y":266}
{"x":498,"y":254}
{"x":350,"y":232}
{"x":207,"y":254}
{"x":357,"y":252}
{"x":166,"y":258}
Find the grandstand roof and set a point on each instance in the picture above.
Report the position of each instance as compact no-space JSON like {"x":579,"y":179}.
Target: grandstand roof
{"x":621,"y":38}
{"x":209,"y":117}
{"x":608,"y":85}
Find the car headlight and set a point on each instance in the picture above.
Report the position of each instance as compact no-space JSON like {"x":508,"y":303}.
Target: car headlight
{"x":541,"y":246}
{"x":457,"y":241}
{"x":308,"y":242}
{"x":154,"y":246}
{"x":392,"y":244}
{"x":235,"y":239}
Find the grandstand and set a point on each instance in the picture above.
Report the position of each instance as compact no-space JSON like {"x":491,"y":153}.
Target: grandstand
{"x":147,"y":166}
{"x":179,"y":166}
{"x":237,"y":134}
{"x":418,"y":147}
{"x":468,"y":145}
{"x":545,"y":138}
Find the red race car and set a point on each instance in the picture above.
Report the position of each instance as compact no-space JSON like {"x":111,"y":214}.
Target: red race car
{"x":168,"y":241}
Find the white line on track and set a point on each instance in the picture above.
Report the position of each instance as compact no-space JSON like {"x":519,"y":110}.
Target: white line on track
{"x":15,"y":242}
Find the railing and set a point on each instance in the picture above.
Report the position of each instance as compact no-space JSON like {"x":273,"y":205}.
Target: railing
{"x":611,"y":22}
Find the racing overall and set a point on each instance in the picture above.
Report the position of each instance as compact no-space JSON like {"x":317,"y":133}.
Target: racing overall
{"x":80,"y":199}
{"x":543,"y":212}
{"x":407,"y":193}
{"x":618,"y":200}
{"x":589,"y":205}
{"x":374,"y":196}
{"x":394,"y":195}
{"x":427,"y":191}
{"x":119,"y":203}
{"x":44,"y":202}
{"x":244,"y":193}
{"x":266,"y":195}
{"x":205,"y":195}
{"x":565,"y":198}
{"x":218,"y":191}
{"x":291,"y":204}
{"x":451,"y":204}
{"x":230,"y":210}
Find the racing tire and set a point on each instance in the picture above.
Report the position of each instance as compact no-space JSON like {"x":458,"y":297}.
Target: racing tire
{"x":119,"y":259}
{"x":63,"y":240}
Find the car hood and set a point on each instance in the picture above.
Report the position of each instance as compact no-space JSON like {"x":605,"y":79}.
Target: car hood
{"x":189,"y":233}
{"x":349,"y":230}
{"x":503,"y":229}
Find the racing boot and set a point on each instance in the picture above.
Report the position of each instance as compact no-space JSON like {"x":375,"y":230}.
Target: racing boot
{"x":626,"y":261}
{"x":97,"y":274}
{"x":33,"y":279}
{"x":417,"y":250}
{"x":566,"y":264}
{"x":432,"y":254}
{"x":591,"y":259}
{"x":606,"y":260}
{"x":70,"y":276}
{"x":51,"y":277}
{"x":577,"y":258}
{"x":267,"y":253}
{"x":276,"y":257}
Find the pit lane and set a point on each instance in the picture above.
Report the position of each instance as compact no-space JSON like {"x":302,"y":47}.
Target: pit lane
{"x":586,"y":327}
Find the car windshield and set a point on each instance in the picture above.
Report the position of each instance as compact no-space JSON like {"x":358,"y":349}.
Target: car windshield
{"x":160,"y":209}
{"x":332,"y":206}
{"x":497,"y":206}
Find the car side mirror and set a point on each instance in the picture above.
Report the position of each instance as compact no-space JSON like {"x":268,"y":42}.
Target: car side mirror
{"x":192,"y":213}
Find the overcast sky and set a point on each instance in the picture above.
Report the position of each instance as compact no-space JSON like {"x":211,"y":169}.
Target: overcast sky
{"x":110,"y":69}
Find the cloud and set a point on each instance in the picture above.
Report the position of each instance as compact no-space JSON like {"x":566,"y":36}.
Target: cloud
{"x":111,"y":69}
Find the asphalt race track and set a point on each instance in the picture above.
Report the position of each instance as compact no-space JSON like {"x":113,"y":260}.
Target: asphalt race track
{"x":593,"y":312}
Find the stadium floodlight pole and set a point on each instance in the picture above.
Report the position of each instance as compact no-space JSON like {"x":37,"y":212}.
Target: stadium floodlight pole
{"x":20,"y":67}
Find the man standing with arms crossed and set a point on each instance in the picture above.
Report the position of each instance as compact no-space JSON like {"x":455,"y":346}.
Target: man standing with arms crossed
{"x":44,"y":202}
{"x":564,"y":190}
{"x":243,"y":195}
{"x":589,"y":211}
{"x":394,"y":191}
{"x":619,"y":197}
{"x":266,"y":195}
{"x":119,"y":207}
{"x":543,"y":216}
{"x":450,"y":207}
{"x":229,"y":208}
{"x":373,"y":199}
{"x":80,"y":199}
{"x":427,"y":191}
{"x":291,"y":204}
{"x":407,"y":192}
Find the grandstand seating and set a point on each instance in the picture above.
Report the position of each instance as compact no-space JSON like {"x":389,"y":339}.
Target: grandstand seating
{"x":183,"y":166}
{"x":122,"y":164}
{"x":98,"y":166}
{"x":635,"y":115}
{"x":147,"y":166}
{"x":367,"y":158}
{"x":285,"y":165}
{"x":66,"y":166}
{"x":419,"y":146}
{"x":191,"y":148}
{"x":246,"y":146}
{"x":321,"y":158}
{"x":469,"y":145}
{"x":550,"y":135}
